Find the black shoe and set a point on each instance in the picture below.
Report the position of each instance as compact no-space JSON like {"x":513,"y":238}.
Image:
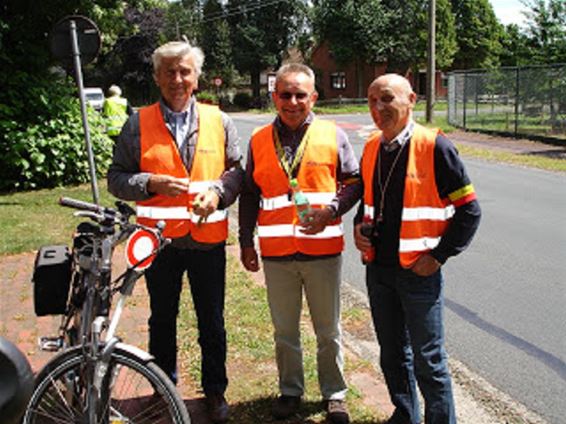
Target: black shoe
{"x":285,"y":406}
{"x":217,"y":407}
{"x":336,"y":412}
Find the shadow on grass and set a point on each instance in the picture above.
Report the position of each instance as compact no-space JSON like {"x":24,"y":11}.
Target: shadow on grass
{"x":258,"y":411}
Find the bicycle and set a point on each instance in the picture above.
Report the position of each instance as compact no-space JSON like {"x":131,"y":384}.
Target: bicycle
{"x":97,"y":378}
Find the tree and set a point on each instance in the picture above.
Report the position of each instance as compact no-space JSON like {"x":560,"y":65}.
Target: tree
{"x":408,"y":30}
{"x":478,"y":33}
{"x":41,"y":136}
{"x":391,"y":31}
{"x":183,"y":20}
{"x":354,"y":31}
{"x":216,"y":43}
{"x":515,"y":50}
{"x":129,"y":62}
{"x":546,"y":29}
{"x":261,"y":33}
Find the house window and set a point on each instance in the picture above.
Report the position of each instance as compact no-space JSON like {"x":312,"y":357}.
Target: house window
{"x":338,"y":80}
{"x":444,"y":81}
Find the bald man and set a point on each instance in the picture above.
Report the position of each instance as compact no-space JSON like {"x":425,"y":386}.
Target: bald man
{"x":419,"y":208}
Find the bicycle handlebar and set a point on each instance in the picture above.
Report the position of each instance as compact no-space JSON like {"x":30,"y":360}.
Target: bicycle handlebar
{"x":80,"y":204}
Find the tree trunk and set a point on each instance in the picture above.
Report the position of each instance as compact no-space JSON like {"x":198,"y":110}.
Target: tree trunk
{"x":255,"y":84}
{"x":360,"y":79}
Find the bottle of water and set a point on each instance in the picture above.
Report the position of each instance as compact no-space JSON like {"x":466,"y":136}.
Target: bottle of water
{"x":300,"y":200}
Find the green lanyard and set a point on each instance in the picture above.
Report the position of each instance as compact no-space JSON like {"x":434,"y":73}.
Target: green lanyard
{"x":290,"y":168}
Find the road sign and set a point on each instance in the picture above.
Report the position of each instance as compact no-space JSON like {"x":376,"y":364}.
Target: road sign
{"x":141,"y":246}
{"x":88,"y":38}
{"x":218,"y":81}
{"x":271,"y":83}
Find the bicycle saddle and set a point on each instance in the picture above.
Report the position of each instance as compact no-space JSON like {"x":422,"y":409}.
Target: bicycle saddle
{"x":17,"y":382}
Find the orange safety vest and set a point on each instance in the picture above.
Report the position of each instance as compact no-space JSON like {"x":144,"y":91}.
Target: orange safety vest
{"x":425,"y":216}
{"x":160,"y":155}
{"x":278,"y":224}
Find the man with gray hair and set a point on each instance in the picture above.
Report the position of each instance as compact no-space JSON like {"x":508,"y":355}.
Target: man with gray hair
{"x":179,"y":160}
{"x":301,"y":250}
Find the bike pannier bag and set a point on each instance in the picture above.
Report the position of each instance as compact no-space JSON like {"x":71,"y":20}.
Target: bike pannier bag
{"x":51,"y":280}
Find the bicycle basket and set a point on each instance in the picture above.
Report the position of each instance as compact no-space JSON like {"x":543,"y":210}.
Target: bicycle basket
{"x":51,"y":279}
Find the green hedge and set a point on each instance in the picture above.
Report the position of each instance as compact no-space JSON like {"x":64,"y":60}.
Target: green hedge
{"x":42,"y":136}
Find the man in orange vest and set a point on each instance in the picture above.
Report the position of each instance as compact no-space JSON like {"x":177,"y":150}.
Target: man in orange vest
{"x":419,"y":209}
{"x":301,"y":176}
{"x":180,"y":161}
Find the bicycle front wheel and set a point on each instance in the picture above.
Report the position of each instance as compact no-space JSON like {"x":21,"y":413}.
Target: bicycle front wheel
{"x":133,"y":391}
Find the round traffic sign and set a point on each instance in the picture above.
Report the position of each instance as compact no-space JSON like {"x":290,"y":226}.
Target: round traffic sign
{"x":218,"y":81}
{"x":88,"y":39}
{"x":141,"y":246}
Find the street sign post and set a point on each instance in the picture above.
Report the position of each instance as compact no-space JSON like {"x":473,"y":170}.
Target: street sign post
{"x":75,"y":41}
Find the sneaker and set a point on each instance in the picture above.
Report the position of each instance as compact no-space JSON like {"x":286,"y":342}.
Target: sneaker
{"x":336,"y":412}
{"x":217,"y":407}
{"x":285,"y":406}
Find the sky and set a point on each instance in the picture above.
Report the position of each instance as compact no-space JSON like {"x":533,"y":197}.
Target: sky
{"x":508,"y":11}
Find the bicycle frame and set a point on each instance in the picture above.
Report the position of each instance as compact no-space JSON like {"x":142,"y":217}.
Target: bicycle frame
{"x":90,"y":323}
{"x":93,"y":273}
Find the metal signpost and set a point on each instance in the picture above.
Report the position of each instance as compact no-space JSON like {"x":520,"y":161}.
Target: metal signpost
{"x":75,"y":41}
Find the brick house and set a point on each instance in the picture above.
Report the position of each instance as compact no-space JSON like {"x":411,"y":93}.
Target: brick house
{"x":334,"y":81}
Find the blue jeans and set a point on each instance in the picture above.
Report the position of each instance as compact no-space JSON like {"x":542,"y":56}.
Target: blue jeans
{"x":207,"y":277}
{"x":407,"y":313}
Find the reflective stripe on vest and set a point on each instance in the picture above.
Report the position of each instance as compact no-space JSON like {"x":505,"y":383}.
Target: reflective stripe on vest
{"x":290,"y":230}
{"x":278,"y":225}
{"x":425,"y":216}
{"x":283,"y":201}
{"x":160,"y":155}
{"x":180,"y":212}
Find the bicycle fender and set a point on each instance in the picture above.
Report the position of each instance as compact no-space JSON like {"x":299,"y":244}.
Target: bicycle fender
{"x":135,"y":352}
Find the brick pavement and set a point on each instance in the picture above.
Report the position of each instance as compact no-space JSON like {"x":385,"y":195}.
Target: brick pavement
{"x":19,"y":324}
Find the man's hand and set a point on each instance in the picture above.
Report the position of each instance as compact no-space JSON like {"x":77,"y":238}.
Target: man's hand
{"x":426,"y":265}
{"x":362,"y":243}
{"x":167,"y":185}
{"x":205,"y":203}
{"x":316,"y":220}
{"x":248,"y":256}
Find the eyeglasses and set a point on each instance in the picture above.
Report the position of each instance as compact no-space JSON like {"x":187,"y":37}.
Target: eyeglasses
{"x":288,"y":96}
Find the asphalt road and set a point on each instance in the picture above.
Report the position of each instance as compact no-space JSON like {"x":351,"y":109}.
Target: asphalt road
{"x":506,"y":295}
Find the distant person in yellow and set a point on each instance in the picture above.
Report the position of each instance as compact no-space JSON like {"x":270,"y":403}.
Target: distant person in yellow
{"x":116,"y":110}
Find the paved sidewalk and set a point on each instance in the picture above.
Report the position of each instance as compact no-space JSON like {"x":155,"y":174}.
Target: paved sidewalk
{"x":519,"y":146}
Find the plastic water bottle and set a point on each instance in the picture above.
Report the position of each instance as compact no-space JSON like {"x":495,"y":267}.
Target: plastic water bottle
{"x":300,"y":200}
{"x":367,"y":231}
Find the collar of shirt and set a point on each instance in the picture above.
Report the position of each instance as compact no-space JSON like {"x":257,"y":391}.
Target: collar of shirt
{"x":404,"y":136}
{"x":179,"y":123}
{"x":292,"y":137}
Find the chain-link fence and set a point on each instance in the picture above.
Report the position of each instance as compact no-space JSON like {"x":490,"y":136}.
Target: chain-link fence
{"x":520,"y":101}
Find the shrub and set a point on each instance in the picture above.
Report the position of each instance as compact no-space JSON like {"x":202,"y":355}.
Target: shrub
{"x":243,"y":100}
{"x":207,"y":97}
{"x":42,"y":138}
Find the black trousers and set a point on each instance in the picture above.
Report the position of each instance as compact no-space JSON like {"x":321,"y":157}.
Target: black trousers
{"x":206,"y":271}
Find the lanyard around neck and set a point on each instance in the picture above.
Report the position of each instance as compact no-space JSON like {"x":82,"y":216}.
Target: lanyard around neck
{"x":290,"y":168}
